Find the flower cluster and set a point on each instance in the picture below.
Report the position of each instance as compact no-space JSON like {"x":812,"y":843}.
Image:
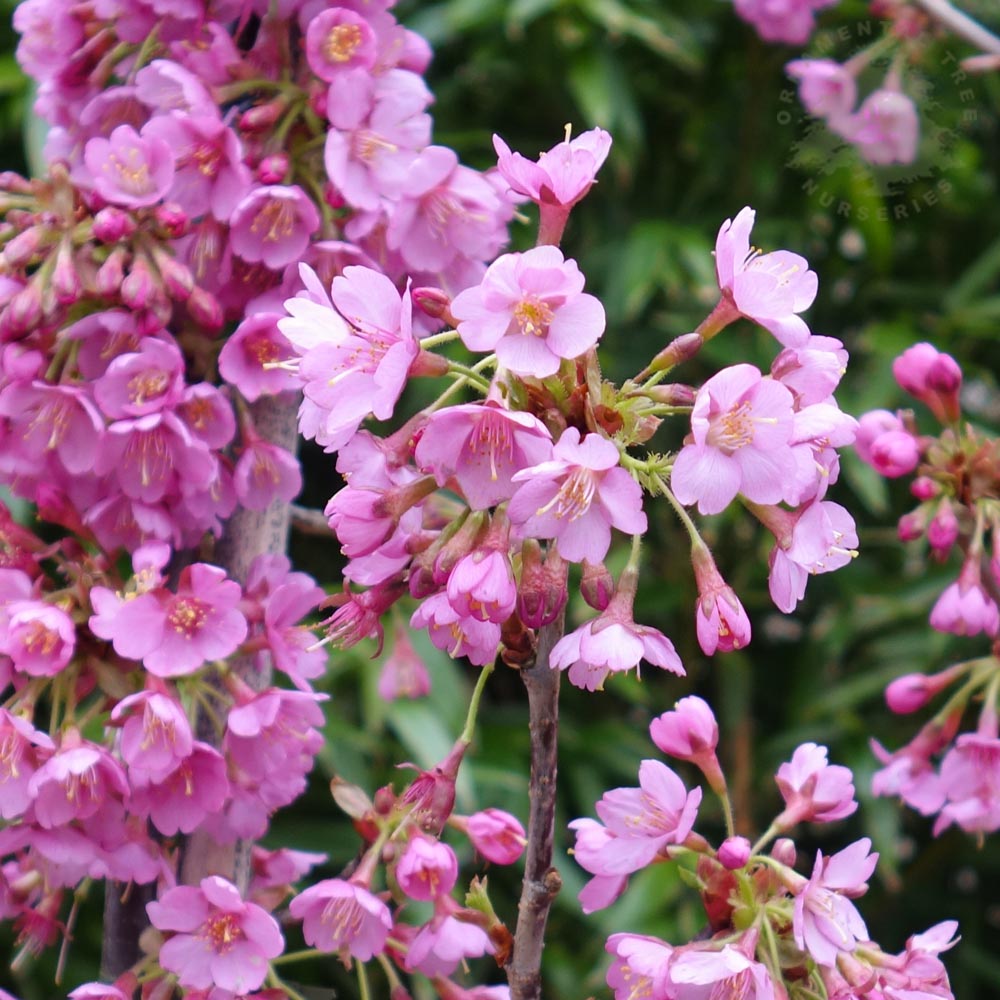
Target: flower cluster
{"x":773,"y":932}
{"x":941,"y":771}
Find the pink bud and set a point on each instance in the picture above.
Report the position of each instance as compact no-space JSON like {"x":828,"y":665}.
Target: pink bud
{"x":784,"y":851}
{"x":435,"y":302}
{"x":204,"y":309}
{"x":174,"y":220}
{"x":496,"y":835}
{"x":111,"y":273}
{"x":273,"y":169}
{"x":895,"y":453}
{"x":908,"y":693}
{"x":263,"y":116}
{"x":734,"y":852}
{"x":597,"y":585}
{"x":911,"y":526}
{"x":65,"y":279}
{"x":138,"y":289}
{"x":542,"y":593}
{"x":23,"y":247}
{"x":924,"y":488}
{"x":113,"y":224}
{"x":23,"y":312}
{"x":687,"y":732}
{"x":942,"y":531}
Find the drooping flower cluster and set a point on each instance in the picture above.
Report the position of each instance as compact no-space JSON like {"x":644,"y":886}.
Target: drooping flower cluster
{"x":942,"y":771}
{"x":772,"y":932}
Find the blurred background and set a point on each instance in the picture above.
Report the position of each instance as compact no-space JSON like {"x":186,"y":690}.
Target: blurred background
{"x":704,"y":122}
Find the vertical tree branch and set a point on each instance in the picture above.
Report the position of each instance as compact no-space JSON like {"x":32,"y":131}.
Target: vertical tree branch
{"x":541,"y":881}
{"x":248,"y":534}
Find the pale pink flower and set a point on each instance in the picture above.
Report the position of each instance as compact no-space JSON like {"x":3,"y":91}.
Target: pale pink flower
{"x":530,"y":308}
{"x":970,"y":776}
{"x":273,"y":224}
{"x":148,"y":380}
{"x":641,"y":967}
{"x":76,"y":782}
{"x":254,"y":345}
{"x":814,"y":791}
{"x":442,"y":944}
{"x":741,"y":426}
{"x":910,"y":774}
{"x":129,"y":168}
{"x":813,"y":371}
{"x":265,"y":473}
{"x":338,"y":40}
{"x":93,"y":991}
{"x":577,"y":497}
{"x":341,"y":916}
{"x":427,"y":870}
{"x":218,"y":940}
{"x":156,"y":735}
{"x":38,"y":637}
{"x":612,"y":643}
{"x":482,"y":446}
{"x":886,"y":128}
{"x":768,"y":288}
{"x":496,"y":835}
{"x":827,"y":89}
{"x":22,"y":750}
{"x":720,"y":620}
{"x":591,"y":852}
{"x":704,"y":974}
{"x":789,"y":21}
{"x":481,"y":585}
{"x":457,"y":635}
{"x":404,"y":673}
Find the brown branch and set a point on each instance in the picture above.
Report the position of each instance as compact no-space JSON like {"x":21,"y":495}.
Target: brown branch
{"x":541,"y":881}
{"x":309,"y":521}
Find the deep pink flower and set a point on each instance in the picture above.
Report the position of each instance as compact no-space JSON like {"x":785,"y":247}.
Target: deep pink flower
{"x":427,"y":870}
{"x":266,"y":472}
{"x":814,"y":791}
{"x":825,"y":921}
{"x":174,"y":634}
{"x":481,"y":585}
{"x":933,"y":377}
{"x":253,"y":346}
{"x":496,"y":835}
{"x":273,"y":224}
{"x":148,"y":380}
{"x":482,"y":445}
{"x":129,"y":168}
{"x":770,"y":289}
{"x":577,"y":498}
{"x":734,"y":852}
{"x":720,"y":620}
{"x":341,"y":916}
{"x":338,"y":40}
{"x":885,"y":444}
{"x":179,"y":802}
{"x":531,"y":309}
{"x":219,"y":939}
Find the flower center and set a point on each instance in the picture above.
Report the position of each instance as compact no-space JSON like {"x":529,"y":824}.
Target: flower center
{"x":187,"y":616}
{"x":37,"y":638}
{"x":274,"y":222}
{"x":342,"y":42}
{"x":131,"y":170}
{"x":492,"y":435}
{"x":574,"y":497}
{"x":533,"y":317}
{"x":146,"y":386}
{"x":733,"y":430}
{"x":222,"y":931}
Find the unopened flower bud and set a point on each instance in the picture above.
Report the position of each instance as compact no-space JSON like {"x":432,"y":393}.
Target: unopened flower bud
{"x":273,"y":169}
{"x":111,"y":273}
{"x":19,"y":250}
{"x":263,"y":116}
{"x":204,"y":309}
{"x":784,"y":851}
{"x":436,"y":302}
{"x":597,"y":585}
{"x":139,"y":287}
{"x":496,"y":835}
{"x":543,"y":592}
{"x":112,"y":225}
{"x":908,"y":693}
{"x":23,"y":312}
{"x":911,"y":526}
{"x":65,"y":278}
{"x":673,"y":394}
{"x":942,"y":531}
{"x":177,"y":278}
{"x":734,"y":852}
{"x":924,"y":488}
{"x":680,"y":349}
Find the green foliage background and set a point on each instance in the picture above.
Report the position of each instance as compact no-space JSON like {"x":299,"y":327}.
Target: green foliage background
{"x":704,"y":122}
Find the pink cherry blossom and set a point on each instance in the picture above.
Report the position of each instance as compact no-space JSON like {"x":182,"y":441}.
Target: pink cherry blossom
{"x":265,"y":473}
{"x":154,"y":739}
{"x":218,"y":940}
{"x":768,"y":288}
{"x":886,"y":128}
{"x":577,"y":497}
{"x":721,"y":622}
{"x":910,"y":774}
{"x":825,"y":921}
{"x":965,"y":608}
{"x":457,"y":635}
{"x":813,"y":371}
{"x":341,"y":916}
{"x":481,"y":585}
{"x":253,"y":346}
{"x":428,"y":869}
{"x":338,"y":40}
{"x":531,"y":309}
{"x":707,"y":973}
{"x":482,"y":446}
{"x":741,"y":427}
{"x":690,"y":732}
{"x":641,"y":967}
{"x":39,"y":638}
{"x":22,"y":750}
{"x":827,"y":89}
{"x":273,"y":224}
{"x":442,"y":944}
{"x":130,"y":169}
{"x":180,"y":801}
{"x":814,"y":791}
{"x":970,"y":776}
{"x":790,"y":21}
{"x":76,"y":782}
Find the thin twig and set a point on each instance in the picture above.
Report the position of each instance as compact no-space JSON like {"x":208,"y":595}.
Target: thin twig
{"x":961,"y":24}
{"x":309,"y":521}
{"x":541,"y":881}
